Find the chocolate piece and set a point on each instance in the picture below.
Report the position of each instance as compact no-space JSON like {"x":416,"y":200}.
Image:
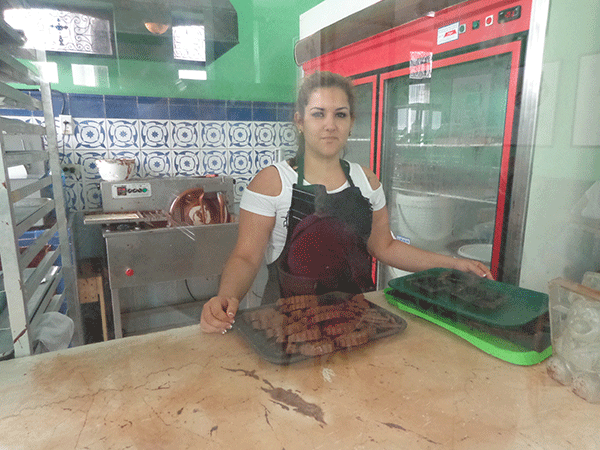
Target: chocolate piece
{"x":313,"y":326}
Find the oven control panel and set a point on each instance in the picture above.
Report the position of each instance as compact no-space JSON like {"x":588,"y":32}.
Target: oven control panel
{"x":131,"y":190}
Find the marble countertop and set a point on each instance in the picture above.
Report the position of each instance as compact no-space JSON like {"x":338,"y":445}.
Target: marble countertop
{"x":181,"y":389}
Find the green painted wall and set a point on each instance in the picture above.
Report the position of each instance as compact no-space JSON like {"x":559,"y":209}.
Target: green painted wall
{"x":260,"y":68}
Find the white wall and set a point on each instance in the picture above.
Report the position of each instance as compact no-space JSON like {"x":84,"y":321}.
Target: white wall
{"x":562,"y":239}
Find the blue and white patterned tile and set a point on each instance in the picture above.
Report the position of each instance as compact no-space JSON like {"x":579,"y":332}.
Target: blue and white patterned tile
{"x":86,"y":160}
{"x":184,"y":134}
{"x":238,"y":188}
{"x":128,"y":154}
{"x":241,"y":162}
{"x":289,"y":151}
{"x":264,"y":158}
{"x":154,"y":134}
{"x":240,"y":134}
{"x":287,"y":134}
{"x":92,"y":198}
{"x":265,"y":134}
{"x":89,"y":134}
{"x":66,"y":156}
{"x":214,"y":162}
{"x":123,"y":133}
{"x":186,"y":162}
{"x":36,"y":120}
{"x":213,"y":134}
{"x":156,"y":163}
{"x":72,"y":192}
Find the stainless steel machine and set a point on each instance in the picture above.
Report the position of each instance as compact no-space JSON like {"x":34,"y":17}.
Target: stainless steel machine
{"x":167,"y":240}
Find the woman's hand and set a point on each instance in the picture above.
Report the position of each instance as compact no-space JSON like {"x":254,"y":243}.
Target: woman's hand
{"x":218,"y":314}
{"x":469,"y":265}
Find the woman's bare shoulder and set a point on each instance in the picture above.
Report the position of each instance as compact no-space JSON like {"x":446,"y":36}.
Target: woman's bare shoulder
{"x":373,"y":180}
{"x":267,"y":182}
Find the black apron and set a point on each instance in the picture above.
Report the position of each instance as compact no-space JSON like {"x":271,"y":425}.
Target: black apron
{"x":326,"y":244}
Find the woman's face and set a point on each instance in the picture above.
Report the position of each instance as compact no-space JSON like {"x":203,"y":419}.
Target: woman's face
{"x":327,"y":122}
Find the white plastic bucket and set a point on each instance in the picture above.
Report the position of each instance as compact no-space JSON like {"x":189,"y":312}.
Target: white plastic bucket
{"x":425,"y":219}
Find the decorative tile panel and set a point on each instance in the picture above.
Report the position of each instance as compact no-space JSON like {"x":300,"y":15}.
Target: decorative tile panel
{"x":65,"y":156}
{"x":213,"y":134}
{"x":238,"y":188}
{"x":154,"y":134}
{"x":156,"y":163}
{"x":241,"y":162}
{"x":89,"y":134}
{"x":240,"y":134}
{"x":37,"y":120}
{"x":265,"y":134}
{"x":123,"y":133}
{"x":169,"y":137}
{"x":186,"y":163}
{"x":184,"y":134}
{"x":214,"y":162}
{"x":264,"y":158}
{"x":92,"y":199}
{"x":289,"y":152}
{"x":287,"y":134}
{"x":72,"y":193}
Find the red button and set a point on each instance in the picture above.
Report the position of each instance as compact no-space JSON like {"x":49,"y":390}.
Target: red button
{"x":129,"y":272}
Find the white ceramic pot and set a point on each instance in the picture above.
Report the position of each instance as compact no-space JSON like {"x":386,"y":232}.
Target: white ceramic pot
{"x":115,"y":169}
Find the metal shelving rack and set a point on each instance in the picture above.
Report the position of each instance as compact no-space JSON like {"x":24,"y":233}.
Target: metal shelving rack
{"x":38,"y":204}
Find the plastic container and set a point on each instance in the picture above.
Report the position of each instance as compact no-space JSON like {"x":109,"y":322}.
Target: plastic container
{"x":575,"y":336}
{"x":506,"y":321}
{"x":469,"y":297}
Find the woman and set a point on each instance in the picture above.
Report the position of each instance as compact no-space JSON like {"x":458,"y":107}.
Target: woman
{"x":316,"y":218}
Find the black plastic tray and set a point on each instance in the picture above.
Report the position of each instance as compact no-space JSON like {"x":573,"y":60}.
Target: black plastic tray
{"x":473,"y":298}
{"x":275,"y":352}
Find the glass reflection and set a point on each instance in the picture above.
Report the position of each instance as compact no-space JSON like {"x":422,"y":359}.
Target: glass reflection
{"x":61,"y":31}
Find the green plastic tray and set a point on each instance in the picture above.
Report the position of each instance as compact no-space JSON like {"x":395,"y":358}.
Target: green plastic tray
{"x":493,"y":345}
{"x":485,"y":301}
